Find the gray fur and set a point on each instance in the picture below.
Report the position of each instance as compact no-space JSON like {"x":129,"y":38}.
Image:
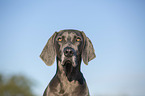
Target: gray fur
{"x":48,"y":54}
{"x":68,"y":80}
{"x":88,"y":52}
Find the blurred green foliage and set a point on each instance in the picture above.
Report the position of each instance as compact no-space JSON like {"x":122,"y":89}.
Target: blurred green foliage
{"x":16,"y":85}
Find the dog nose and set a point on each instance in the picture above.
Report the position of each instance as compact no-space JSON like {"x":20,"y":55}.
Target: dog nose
{"x":68,"y":52}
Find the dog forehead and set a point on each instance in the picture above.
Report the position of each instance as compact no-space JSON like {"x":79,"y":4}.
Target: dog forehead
{"x":69,"y":33}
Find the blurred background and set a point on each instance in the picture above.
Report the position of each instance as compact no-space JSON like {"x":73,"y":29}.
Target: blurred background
{"x":115,"y":27}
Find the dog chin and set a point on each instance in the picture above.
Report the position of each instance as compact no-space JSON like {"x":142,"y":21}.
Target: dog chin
{"x":69,"y":62}
{"x":68,"y":66}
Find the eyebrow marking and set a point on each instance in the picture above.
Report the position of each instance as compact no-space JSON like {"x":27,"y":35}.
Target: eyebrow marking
{"x":69,"y":36}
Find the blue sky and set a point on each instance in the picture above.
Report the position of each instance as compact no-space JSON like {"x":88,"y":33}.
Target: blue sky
{"x":115,"y":27}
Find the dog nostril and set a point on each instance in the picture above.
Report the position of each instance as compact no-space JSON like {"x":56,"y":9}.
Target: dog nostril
{"x":71,"y":52}
{"x":68,"y":52}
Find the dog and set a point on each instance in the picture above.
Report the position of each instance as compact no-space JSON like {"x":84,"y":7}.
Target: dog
{"x":69,"y":47}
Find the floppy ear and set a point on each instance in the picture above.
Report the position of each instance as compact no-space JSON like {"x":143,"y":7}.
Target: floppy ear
{"x":88,"y":52}
{"x":48,"y":54}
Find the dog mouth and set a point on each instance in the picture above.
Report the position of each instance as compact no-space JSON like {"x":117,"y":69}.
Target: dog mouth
{"x":68,"y":67}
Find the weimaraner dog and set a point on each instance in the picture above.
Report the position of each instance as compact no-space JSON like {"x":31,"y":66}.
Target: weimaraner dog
{"x":69,"y":47}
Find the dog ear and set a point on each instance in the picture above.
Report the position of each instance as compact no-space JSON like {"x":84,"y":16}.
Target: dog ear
{"x":48,"y":54}
{"x":88,"y":52}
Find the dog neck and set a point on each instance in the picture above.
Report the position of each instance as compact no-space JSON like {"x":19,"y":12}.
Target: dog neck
{"x":73,"y":75}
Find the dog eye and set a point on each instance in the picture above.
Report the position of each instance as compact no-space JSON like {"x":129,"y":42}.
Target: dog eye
{"x":59,"y":39}
{"x":78,"y":39}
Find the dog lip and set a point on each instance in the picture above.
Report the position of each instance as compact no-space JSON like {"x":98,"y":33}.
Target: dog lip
{"x":68,"y":67}
{"x":67,"y":62}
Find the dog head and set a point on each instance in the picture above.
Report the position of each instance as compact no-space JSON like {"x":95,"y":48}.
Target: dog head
{"x":70,"y":46}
